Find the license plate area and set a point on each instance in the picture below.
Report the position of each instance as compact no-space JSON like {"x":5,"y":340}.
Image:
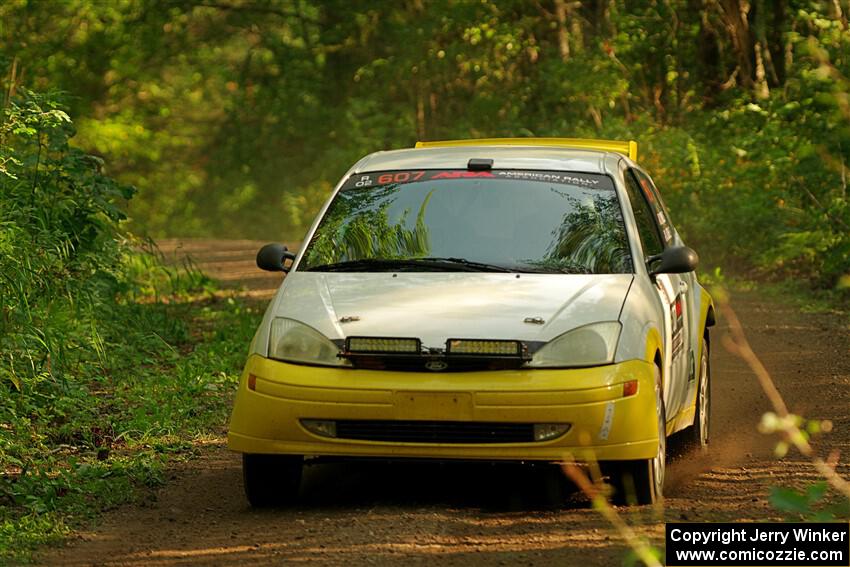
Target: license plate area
{"x":433,"y":405}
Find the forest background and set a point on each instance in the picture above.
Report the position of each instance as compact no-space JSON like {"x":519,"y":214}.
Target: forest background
{"x":125,"y":120}
{"x":234,"y":118}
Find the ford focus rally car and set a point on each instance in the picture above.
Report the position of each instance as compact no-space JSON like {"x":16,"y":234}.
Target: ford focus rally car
{"x":502,"y":299}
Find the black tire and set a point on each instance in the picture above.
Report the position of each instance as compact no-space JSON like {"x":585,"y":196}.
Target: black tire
{"x":696,"y":437}
{"x":271,"y":480}
{"x":642,"y":481}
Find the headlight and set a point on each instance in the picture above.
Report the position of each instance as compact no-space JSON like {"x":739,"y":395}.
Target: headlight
{"x":590,"y":345}
{"x":297,"y":342}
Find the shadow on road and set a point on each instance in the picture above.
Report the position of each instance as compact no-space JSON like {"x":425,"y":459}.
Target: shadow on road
{"x":484,"y":486}
{"x":473,"y":513}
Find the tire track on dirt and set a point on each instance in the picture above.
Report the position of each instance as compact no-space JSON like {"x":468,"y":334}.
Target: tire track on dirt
{"x":478,"y":514}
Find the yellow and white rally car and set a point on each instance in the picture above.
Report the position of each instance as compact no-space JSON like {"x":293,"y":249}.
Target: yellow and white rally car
{"x":499,"y":299}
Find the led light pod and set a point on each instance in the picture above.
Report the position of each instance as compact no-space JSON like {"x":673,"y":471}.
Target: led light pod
{"x":378,"y":345}
{"x":483,"y":347}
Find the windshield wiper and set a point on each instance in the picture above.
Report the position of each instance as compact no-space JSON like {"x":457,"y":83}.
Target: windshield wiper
{"x":378,"y":264}
{"x":484,"y":267}
{"x":365,"y":264}
{"x":479,"y":266}
{"x":553,"y":270}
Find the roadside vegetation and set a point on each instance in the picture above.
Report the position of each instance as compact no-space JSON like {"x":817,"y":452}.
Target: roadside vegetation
{"x":111,"y":361}
{"x":234,"y":118}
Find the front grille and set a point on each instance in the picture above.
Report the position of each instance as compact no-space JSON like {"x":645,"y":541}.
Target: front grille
{"x":435,"y":431}
{"x":457,"y":363}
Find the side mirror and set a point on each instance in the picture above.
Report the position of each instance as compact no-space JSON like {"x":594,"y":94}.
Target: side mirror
{"x":675,"y":260}
{"x":273,"y":257}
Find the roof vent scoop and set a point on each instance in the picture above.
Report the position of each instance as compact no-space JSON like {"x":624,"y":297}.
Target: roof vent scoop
{"x":479,"y":164}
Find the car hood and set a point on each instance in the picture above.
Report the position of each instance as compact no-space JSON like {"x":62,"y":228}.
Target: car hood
{"x":437,"y":306}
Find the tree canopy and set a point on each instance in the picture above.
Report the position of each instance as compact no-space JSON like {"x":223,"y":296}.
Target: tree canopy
{"x":236,"y":117}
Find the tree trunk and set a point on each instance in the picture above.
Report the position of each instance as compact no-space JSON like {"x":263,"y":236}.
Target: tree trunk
{"x":735,"y":14}
{"x":776,"y":41}
{"x":563,"y":34}
{"x":761,"y":89}
{"x":710,"y":70}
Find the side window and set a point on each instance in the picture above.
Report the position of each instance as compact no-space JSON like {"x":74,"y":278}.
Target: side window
{"x":645,"y":217}
{"x":657,"y":206}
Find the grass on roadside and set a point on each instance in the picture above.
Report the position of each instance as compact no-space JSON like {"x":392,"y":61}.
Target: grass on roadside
{"x":796,"y":292}
{"x":85,"y":445}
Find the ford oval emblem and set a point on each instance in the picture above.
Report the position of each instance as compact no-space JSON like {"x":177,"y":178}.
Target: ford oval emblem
{"x":436,"y":365}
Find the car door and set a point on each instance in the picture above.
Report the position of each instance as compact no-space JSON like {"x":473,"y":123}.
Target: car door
{"x":656,"y":234}
{"x":687,"y":287}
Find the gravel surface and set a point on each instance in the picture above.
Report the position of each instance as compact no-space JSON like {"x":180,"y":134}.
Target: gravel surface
{"x":461,"y":514}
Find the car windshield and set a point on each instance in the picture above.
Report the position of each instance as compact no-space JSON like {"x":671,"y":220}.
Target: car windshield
{"x":459,"y":220}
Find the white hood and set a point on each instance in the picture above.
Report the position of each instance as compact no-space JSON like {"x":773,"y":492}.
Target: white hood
{"x":437,"y":306}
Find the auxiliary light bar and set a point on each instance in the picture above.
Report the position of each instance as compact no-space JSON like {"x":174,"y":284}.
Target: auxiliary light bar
{"x":377,"y":345}
{"x":483,"y":347}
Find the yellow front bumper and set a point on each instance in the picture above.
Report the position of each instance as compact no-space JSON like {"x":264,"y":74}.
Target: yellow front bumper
{"x":606,"y":425}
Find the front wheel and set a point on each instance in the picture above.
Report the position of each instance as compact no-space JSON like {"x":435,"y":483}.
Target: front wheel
{"x":642,"y":481}
{"x":271,"y":480}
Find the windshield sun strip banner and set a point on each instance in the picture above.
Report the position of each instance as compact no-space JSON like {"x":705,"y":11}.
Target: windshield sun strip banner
{"x":402,"y":177}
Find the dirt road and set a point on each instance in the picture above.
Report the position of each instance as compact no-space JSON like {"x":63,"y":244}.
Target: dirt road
{"x":466,"y":514}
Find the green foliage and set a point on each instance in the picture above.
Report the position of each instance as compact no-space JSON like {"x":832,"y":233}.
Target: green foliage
{"x":632,"y":559}
{"x":70,"y":452}
{"x":814,"y":503}
{"x":59,"y":239}
{"x":235,"y":118}
{"x":811,"y":504}
{"x":111,"y":359}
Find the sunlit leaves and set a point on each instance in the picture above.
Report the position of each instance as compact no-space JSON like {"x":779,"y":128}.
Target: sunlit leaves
{"x":223,"y":112}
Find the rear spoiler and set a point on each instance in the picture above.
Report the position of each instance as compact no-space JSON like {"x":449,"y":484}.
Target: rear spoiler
{"x":628,"y":148}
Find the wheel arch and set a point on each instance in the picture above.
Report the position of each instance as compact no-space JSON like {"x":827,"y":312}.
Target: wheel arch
{"x":655,"y":351}
{"x":707,"y":316}
{"x":707,"y":319}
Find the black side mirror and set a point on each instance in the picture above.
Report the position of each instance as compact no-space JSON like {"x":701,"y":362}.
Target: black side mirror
{"x":675,"y":260}
{"x":273,"y":257}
